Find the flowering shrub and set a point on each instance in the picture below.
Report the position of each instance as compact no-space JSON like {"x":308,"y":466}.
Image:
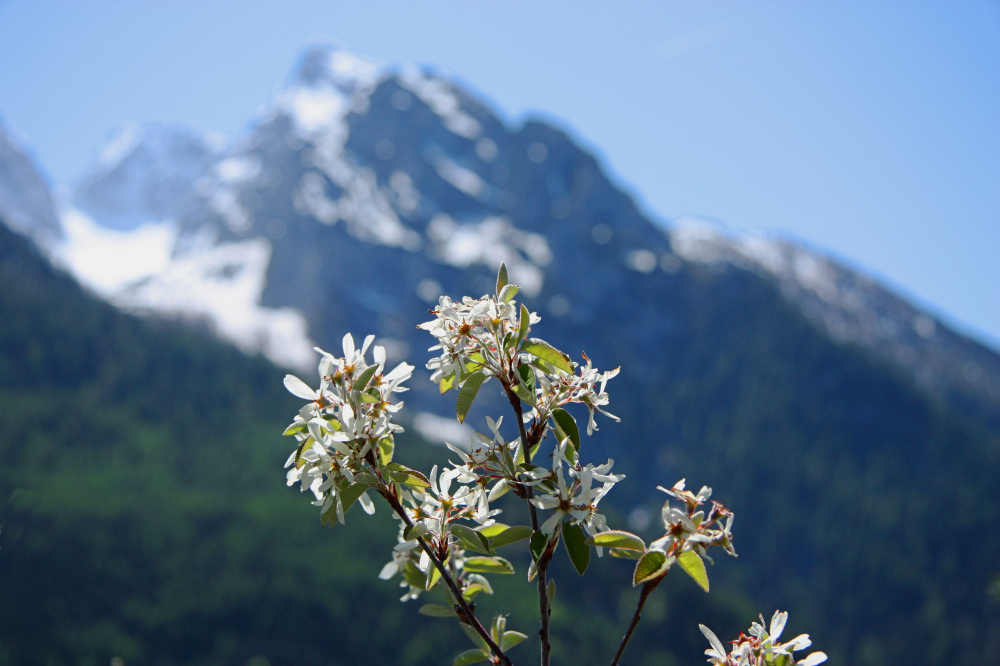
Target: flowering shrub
{"x":449,"y":532}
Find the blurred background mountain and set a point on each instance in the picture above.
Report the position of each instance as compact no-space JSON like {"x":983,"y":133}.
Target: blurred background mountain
{"x":150,"y":313}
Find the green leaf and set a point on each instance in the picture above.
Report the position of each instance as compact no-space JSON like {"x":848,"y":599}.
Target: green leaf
{"x":491,"y":531}
{"x":491,"y":565}
{"x":467,"y":394}
{"x":413,"y":575}
{"x":501,"y":277}
{"x":626,"y":553}
{"x":349,"y":494}
{"x":508,"y":293}
{"x":298,"y":426}
{"x":543,"y":350}
{"x":473,"y":590}
{"x":361,"y":396}
{"x":386,"y":447}
{"x":413,"y":531}
{"x":433,"y":576}
{"x":410,"y":477}
{"x":510,"y":639}
{"x":524,"y":324}
{"x":447,"y":383}
{"x":652,"y":565}
{"x":539,"y":540}
{"x":470,"y":657}
{"x":436,"y":610}
{"x":576,"y":545}
{"x":692,"y":563}
{"x":470,"y":538}
{"x":566,"y":427}
{"x":510,"y":535}
{"x":527,"y":376}
{"x":618,"y":539}
{"x":475,"y":637}
{"x":522,"y":392}
{"x":367,"y":479}
{"x":366,"y":376}
{"x":475,"y":362}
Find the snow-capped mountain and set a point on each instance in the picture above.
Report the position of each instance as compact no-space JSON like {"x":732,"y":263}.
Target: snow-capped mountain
{"x":363,"y":192}
{"x":851,"y":307}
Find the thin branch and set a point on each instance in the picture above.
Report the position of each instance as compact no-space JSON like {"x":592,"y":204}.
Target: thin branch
{"x":467,"y":612}
{"x":647,"y":587}
{"x":544,"y":609}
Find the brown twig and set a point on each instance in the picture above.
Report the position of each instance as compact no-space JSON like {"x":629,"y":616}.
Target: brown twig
{"x":542,"y":565}
{"x":647,"y":587}
{"x":468,"y":613}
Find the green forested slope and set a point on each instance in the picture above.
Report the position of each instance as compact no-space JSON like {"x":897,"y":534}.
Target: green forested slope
{"x":144,"y":513}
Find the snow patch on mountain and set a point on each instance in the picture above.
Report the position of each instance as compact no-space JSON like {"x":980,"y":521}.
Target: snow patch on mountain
{"x":107,"y":260}
{"x":330,"y":84}
{"x":458,"y":177}
{"x":363,"y":206}
{"x":488,"y":242}
{"x":222,"y":286}
{"x":440,"y":96}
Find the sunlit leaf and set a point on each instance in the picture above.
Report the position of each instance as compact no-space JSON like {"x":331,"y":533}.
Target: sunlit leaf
{"x":361,"y":396}
{"x":447,"y":383}
{"x":366,"y":376}
{"x":508,"y":293}
{"x":298,"y":426}
{"x":470,"y":657}
{"x":433,"y":576}
{"x":470,"y":538}
{"x":493,"y":530}
{"x":524,"y":324}
{"x":467,"y":394}
{"x":491,"y":565}
{"x":692,"y":563}
{"x":618,"y":539}
{"x":510,"y":639}
{"x":548,"y":353}
{"x":652,"y":565}
{"x":501,"y":277}
{"x":510,"y":535}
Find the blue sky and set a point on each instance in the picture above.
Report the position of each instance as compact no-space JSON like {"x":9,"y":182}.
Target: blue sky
{"x":870,"y":130}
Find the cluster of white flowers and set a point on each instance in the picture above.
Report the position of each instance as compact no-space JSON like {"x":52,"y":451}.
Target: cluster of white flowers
{"x":486,"y":335}
{"x":473,"y":331}
{"x":690,"y":528}
{"x":761,"y":646}
{"x":343,"y":422}
{"x":432,"y":511}
{"x":575,"y":498}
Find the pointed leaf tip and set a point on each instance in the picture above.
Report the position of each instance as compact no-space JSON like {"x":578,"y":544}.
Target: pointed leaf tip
{"x":467,"y":394}
{"x":501,"y":277}
{"x":694,"y":566}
